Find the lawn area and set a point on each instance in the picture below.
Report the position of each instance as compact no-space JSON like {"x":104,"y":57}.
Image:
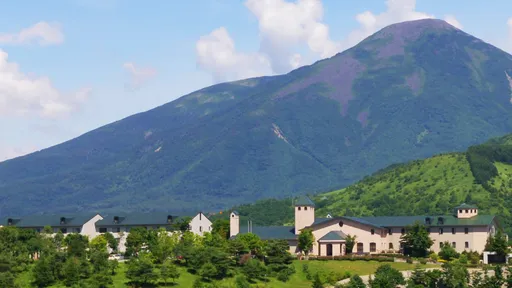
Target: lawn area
{"x":297,"y":280}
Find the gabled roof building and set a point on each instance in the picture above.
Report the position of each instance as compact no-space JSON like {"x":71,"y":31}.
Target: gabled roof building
{"x":465,"y":230}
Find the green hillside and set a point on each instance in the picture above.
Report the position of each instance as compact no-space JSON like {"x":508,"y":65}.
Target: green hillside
{"x":482,"y":175}
{"x":410,"y":91}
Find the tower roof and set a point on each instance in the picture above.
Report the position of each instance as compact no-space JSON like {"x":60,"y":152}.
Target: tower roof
{"x":466,"y":206}
{"x":304,"y":201}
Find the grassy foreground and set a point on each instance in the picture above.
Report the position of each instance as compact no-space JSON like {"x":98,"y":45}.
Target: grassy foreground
{"x":296,"y":280}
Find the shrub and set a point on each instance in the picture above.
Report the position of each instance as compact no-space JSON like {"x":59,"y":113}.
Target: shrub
{"x":409,"y":260}
{"x":433,"y":256}
{"x":423,"y":261}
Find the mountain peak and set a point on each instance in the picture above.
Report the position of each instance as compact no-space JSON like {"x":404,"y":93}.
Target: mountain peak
{"x":397,"y":35}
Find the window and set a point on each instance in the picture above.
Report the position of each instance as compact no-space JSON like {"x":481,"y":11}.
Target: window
{"x":441,"y":231}
{"x":402,"y":231}
{"x":460,"y":211}
{"x":64,"y":230}
{"x":390,"y":231}
{"x":466,"y":230}
{"x":466,"y":245}
{"x":200,"y":216}
{"x":233,"y":216}
{"x":453,"y":230}
{"x":200,"y":228}
{"x":373,"y":247}
{"x":305,"y":208}
{"x":466,"y":210}
{"x":298,"y":208}
{"x":390,"y":246}
{"x":440,"y":244}
{"x":38,"y":230}
{"x":373,"y":231}
{"x":103,"y":230}
{"x":427,"y":221}
{"x":78,"y":230}
{"x":341,"y":223}
{"x":454,"y":244}
{"x":360,"y":247}
{"x":118,"y":229}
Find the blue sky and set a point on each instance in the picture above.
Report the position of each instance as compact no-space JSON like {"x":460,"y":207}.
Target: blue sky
{"x":67,"y":67}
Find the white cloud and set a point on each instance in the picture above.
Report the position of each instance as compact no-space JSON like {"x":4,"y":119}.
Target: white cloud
{"x":397,"y":11}
{"x":453,"y":21}
{"x":41,"y":33}
{"x":23,"y":95}
{"x":217,"y":55}
{"x":287,"y":26}
{"x":284,"y":25}
{"x":138,"y":76}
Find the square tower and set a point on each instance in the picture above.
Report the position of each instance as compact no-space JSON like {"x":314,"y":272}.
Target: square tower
{"x":234,"y":224}
{"x":466,"y":211}
{"x":304,"y":213}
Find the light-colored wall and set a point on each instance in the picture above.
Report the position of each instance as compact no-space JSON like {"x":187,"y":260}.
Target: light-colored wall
{"x":89,"y":228}
{"x":200,"y":224}
{"x":466,"y":213}
{"x":234,"y":224}
{"x":303,"y":217}
{"x":476,"y":237}
{"x":362,"y":232}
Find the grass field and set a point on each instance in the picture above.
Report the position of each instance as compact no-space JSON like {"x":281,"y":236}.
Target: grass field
{"x":297,"y":280}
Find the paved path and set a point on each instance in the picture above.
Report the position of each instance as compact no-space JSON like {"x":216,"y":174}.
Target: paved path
{"x":407,"y":274}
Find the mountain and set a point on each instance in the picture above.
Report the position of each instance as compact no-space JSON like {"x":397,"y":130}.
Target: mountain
{"x":409,"y":91}
{"x":482,"y":175}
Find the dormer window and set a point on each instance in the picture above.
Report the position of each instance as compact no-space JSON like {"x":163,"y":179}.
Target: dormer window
{"x":62,"y":220}
{"x":9,"y":221}
{"x":427,"y":221}
{"x":116,"y":219}
{"x":440,"y":220}
{"x":169,"y":218}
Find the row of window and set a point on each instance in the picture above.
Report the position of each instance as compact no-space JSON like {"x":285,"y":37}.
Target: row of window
{"x":63,"y":230}
{"x":373,"y":246}
{"x":441,"y":231}
{"x":127,"y":229}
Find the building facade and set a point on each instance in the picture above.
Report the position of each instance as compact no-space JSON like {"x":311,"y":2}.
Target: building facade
{"x":93,"y":224}
{"x":83,"y":224}
{"x":465,"y":230}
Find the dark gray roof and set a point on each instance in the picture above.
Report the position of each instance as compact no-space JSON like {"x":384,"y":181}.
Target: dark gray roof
{"x":37,"y":221}
{"x":304,"y":201}
{"x":272,"y":232}
{"x":137,"y":219}
{"x":333,"y":236}
{"x":447,"y":220}
{"x":235,"y":212}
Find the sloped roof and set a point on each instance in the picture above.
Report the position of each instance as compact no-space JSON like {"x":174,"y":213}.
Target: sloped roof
{"x":43,"y":220}
{"x":333,"y":236}
{"x":448,"y":220}
{"x":321,"y":220}
{"x":271,"y":232}
{"x":137,"y":219}
{"x":304,"y":201}
{"x":235,"y":212}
